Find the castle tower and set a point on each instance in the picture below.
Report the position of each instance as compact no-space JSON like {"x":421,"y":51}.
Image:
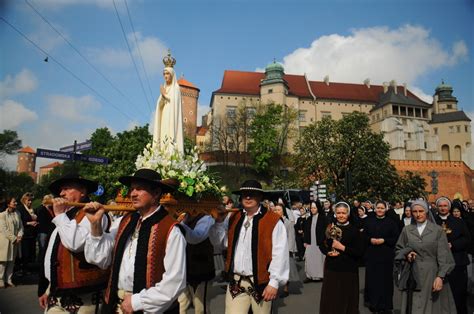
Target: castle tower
{"x":189,"y":96}
{"x":443,"y":99}
{"x":274,"y":88}
{"x":27,"y":161}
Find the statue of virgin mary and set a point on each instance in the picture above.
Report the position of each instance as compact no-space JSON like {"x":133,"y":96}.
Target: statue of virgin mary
{"x":168,"y":122}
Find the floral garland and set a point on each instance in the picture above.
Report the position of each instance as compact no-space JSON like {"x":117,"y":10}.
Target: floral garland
{"x":188,"y":169}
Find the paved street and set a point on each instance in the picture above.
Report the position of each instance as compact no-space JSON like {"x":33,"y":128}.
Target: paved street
{"x":304,"y":298}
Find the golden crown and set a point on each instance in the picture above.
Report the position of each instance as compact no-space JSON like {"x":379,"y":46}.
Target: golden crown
{"x":168,"y":60}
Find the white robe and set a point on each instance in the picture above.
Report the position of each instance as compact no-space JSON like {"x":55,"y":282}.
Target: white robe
{"x":168,"y":115}
{"x":314,"y":259}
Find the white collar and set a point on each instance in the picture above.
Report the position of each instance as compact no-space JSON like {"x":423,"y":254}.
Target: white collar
{"x":150,"y":214}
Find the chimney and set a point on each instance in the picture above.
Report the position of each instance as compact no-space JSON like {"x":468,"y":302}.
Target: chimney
{"x":393,"y":83}
{"x":367,"y":82}
{"x":405,"y":89}
{"x":385,"y":87}
{"x":326,"y":80}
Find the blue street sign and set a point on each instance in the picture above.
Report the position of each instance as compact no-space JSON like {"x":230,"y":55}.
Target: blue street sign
{"x":54,"y":154}
{"x":92,"y":159}
{"x":79,"y":147}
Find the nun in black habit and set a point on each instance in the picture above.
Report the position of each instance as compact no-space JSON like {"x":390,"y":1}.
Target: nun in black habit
{"x":382,"y":234}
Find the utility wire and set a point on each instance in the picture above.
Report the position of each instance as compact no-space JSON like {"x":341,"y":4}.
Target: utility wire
{"x":83,"y":57}
{"x":131,"y":56}
{"x":139,"y":50}
{"x":65,"y":68}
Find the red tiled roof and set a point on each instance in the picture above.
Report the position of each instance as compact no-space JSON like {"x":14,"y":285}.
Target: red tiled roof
{"x":248,"y":83}
{"x":201,"y":131}
{"x":27,"y":149}
{"x":51,"y":165}
{"x":183,"y":82}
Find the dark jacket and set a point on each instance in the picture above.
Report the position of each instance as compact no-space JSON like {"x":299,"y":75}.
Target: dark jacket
{"x":321,"y":225}
{"x":459,"y":237}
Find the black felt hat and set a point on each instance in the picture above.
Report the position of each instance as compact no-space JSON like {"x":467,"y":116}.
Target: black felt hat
{"x":55,"y":186}
{"x":152,"y":177}
{"x":248,"y":186}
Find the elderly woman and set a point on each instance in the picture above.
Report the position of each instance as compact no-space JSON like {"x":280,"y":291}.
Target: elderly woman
{"x":425,"y":246}
{"x":11,"y":232}
{"x":343,"y":247}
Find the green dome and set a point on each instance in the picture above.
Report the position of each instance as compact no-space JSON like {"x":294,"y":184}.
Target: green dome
{"x":274,"y":66}
{"x":443,"y":86}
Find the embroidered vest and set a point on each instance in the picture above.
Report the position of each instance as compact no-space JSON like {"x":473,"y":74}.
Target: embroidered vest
{"x":199,"y":258}
{"x":70,"y":271}
{"x":262,"y":229}
{"x":150,"y":254}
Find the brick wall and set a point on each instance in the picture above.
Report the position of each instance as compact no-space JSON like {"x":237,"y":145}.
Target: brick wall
{"x":454,"y":177}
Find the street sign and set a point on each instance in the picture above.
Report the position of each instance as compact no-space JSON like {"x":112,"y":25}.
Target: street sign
{"x":79,"y":147}
{"x":92,"y":159}
{"x":54,"y":154}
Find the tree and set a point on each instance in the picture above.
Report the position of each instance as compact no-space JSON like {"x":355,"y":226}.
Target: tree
{"x":270,"y":131}
{"x":9,"y":142}
{"x":15,"y":184}
{"x":122,"y":151}
{"x":349,"y":157}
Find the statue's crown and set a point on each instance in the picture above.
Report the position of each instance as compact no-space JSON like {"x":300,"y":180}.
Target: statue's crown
{"x":168,"y":60}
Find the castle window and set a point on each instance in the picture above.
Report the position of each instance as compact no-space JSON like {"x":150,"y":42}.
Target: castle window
{"x":409,"y":135}
{"x":425,"y":113}
{"x":418,"y":112}
{"x":449,"y":106}
{"x":251,"y":112}
{"x":302,"y":115}
{"x":435,"y":131}
{"x":426,"y":146}
{"x":410,"y":112}
{"x":326,"y":114}
{"x":231,"y":111}
{"x":185,"y":120}
{"x":451,"y":129}
{"x":458,"y":128}
{"x":378,"y":116}
{"x":466,"y":128}
{"x":270,"y":90}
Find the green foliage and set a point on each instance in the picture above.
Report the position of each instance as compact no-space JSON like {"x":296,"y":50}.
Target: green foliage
{"x":122,"y":150}
{"x":9,"y":142}
{"x":270,"y":131}
{"x":14,"y":184}
{"x":351,"y":159}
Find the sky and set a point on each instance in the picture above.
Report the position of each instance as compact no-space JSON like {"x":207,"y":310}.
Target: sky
{"x":105,"y":65}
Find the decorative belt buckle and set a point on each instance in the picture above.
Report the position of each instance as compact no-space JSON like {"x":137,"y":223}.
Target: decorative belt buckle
{"x":255,"y":294}
{"x":235,"y":289}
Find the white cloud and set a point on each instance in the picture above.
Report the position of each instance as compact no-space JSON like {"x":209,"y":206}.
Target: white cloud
{"x":74,"y":109}
{"x":421,"y":94}
{"x":45,"y":37}
{"x":13,"y":114}
{"x":152,"y":51}
{"x":24,"y":82}
{"x":110,"y":57}
{"x":379,"y":53}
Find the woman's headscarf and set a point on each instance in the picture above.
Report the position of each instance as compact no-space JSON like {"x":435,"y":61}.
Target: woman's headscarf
{"x":424,"y":205}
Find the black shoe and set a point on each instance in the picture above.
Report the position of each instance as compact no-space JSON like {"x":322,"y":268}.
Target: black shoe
{"x":307,"y":280}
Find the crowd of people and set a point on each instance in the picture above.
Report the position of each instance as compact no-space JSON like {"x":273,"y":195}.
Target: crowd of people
{"x":148,"y":261}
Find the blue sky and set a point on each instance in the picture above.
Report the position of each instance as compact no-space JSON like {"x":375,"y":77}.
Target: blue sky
{"x":413,"y":42}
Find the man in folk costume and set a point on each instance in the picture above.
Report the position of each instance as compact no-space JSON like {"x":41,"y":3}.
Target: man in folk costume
{"x":257,"y":253}
{"x":145,"y":249}
{"x":68,"y":284}
{"x":199,"y":263}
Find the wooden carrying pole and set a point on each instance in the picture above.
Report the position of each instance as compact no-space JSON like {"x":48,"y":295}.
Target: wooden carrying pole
{"x":109,"y":208}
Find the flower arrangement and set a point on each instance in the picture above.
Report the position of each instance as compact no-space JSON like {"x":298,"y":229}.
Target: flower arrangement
{"x":188,"y":169}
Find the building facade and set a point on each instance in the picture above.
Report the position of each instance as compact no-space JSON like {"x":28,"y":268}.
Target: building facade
{"x":26,"y":162}
{"x":415,"y":129}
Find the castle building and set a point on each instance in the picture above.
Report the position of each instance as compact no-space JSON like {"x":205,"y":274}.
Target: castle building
{"x":44,"y":170}
{"x":189,"y":97}
{"x":415,"y":129}
{"x":26,"y":162}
